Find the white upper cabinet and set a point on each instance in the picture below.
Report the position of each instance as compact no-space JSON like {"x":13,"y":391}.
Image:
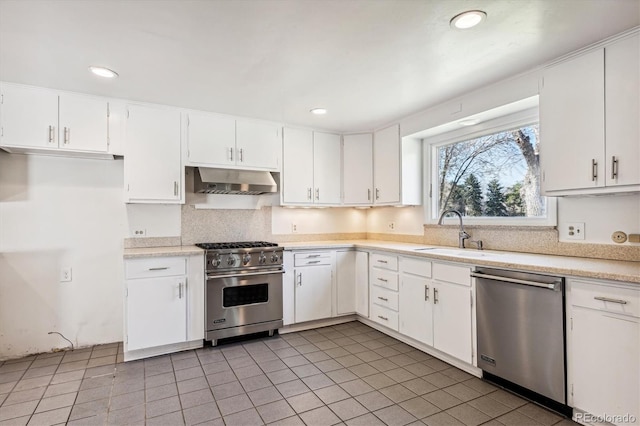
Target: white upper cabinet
{"x":211,"y":139}
{"x":153,"y":170}
{"x":397,"y":168}
{"x":311,"y":169}
{"x":221,"y":141}
{"x":53,"y":121}
{"x":326,"y":168}
{"x":589,"y":133}
{"x":357,"y":155}
{"x":297,"y":167}
{"x":622,"y":112}
{"x":258,"y":145}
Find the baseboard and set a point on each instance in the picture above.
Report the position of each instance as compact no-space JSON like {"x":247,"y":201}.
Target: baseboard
{"x":162,"y":350}
{"x":309,"y":325}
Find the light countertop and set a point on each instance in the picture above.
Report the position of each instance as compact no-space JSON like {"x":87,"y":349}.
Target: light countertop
{"x":132,"y":253}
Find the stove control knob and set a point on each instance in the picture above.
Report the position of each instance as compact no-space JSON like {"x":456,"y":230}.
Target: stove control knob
{"x":231,"y":261}
{"x":262,"y":259}
{"x":215,"y":262}
{"x":246,"y":259}
{"x":274,"y":258}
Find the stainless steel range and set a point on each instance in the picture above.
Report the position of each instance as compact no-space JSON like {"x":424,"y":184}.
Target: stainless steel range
{"x":244,"y":288}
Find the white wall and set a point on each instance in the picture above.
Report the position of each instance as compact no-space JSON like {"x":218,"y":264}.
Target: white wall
{"x":602,"y":216}
{"x":318,"y":221}
{"x":54,"y":213}
{"x":406,"y":220}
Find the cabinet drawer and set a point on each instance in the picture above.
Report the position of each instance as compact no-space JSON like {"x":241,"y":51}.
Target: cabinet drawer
{"x":384,"y":316}
{"x":384,"y":261}
{"x":383,"y":297}
{"x":155,"y":267}
{"x":452,"y":274}
{"x":386,"y":279}
{"x":418,"y":267}
{"x":304,"y":259}
{"x":618,"y":300}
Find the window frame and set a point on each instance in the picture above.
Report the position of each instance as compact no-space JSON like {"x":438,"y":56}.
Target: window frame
{"x":496,"y":125}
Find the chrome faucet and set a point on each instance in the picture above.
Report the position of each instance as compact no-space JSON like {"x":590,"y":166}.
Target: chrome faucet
{"x":462,"y":235}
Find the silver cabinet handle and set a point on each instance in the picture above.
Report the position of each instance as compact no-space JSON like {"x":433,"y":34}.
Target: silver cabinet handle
{"x":594,"y":169}
{"x":180,"y":290}
{"x":67,"y":135}
{"x":377,"y":194}
{"x":383,"y":298}
{"x":312,"y":255}
{"x":382,"y":261}
{"x":313,"y":261}
{"x":175,"y":188}
{"x":368,"y":194}
{"x":159,"y":269}
{"x":51,"y":133}
{"x":318,"y":194}
{"x":308,"y":193}
{"x":606,"y":299}
{"x":435,"y":296}
{"x":383,"y":318}
{"x":383,"y":280}
{"x":231,"y":154}
{"x":241,"y":155}
{"x":300,"y":279}
{"x":614,"y":167}
{"x":426,"y":293}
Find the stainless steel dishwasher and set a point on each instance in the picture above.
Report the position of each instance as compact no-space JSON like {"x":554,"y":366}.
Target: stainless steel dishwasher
{"x":521,"y":333}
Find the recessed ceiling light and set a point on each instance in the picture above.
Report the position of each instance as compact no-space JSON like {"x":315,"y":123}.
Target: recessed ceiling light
{"x":318,"y":111}
{"x":103,"y":72}
{"x":467,"y":19}
{"x":469,"y":122}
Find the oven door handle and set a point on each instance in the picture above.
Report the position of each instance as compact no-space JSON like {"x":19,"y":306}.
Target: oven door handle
{"x":249,"y":274}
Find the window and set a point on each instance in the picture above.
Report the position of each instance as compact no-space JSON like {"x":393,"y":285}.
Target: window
{"x":493,"y":176}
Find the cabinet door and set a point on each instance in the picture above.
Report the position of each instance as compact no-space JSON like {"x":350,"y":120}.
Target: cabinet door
{"x":258,"y":145}
{"x":386,"y":165}
{"x":357,"y":172}
{"x":572,"y":124}
{"x":84,"y":123}
{"x":29,"y":117}
{"x":211,"y":139}
{"x":416,"y":310}
{"x":156,"y":312}
{"x":326,"y":168}
{"x":605,"y":364}
{"x":345,"y":282}
{"x":313,"y":292}
{"x":152,"y":155}
{"x":622,"y":109}
{"x":362,"y":283}
{"x":452,"y":320}
{"x":288,"y":289}
{"x":297,"y":166}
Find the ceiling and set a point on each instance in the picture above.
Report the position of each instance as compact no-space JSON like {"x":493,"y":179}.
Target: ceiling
{"x":369,"y":62}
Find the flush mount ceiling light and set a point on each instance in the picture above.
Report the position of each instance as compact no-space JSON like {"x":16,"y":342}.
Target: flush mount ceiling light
{"x":467,"y":19}
{"x":469,"y":122}
{"x":318,"y":111}
{"x":103,"y":72}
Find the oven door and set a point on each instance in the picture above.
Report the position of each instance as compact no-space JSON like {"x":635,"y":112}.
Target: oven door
{"x":243,"y":299}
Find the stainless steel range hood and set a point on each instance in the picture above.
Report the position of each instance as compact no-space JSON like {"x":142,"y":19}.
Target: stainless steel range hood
{"x":226,"y":181}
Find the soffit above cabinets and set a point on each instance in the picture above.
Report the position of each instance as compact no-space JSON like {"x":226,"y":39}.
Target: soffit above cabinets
{"x":368,"y":63}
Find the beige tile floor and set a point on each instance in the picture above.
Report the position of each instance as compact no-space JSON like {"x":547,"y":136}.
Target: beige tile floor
{"x":346,"y":374}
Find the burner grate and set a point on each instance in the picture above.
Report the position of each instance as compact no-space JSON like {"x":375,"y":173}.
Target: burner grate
{"x":236,"y":245}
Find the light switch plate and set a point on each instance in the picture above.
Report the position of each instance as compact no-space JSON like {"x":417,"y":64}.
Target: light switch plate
{"x":574,"y":230}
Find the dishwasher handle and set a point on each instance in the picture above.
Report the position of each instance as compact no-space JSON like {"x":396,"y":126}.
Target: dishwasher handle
{"x":550,"y":286}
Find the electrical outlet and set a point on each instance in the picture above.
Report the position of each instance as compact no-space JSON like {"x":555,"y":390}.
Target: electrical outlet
{"x":574,"y":230}
{"x":619,"y":237}
{"x":65,"y":274}
{"x":140,"y":233}
{"x":294,"y":228}
{"x":391,"y":226}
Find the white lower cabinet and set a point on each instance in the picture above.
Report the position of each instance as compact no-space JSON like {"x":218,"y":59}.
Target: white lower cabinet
{"x":604,"y":353}
{"x":313,"y":292}
{"x":452,"y":320}
{"x":383,"y":290}
{"x":416,"y":307}
{"x":362,"y":283}
{"x":164,"y":305}
{"x":345,"y":282}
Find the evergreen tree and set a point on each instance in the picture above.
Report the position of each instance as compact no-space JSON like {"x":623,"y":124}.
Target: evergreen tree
{"x":457,"y":199}
{"x":516,"y":206}
{"x":473,"y":196}
{"x":495,"y":205}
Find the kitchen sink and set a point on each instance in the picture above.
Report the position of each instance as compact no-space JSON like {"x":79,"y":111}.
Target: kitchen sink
{"x":462,"y":253}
